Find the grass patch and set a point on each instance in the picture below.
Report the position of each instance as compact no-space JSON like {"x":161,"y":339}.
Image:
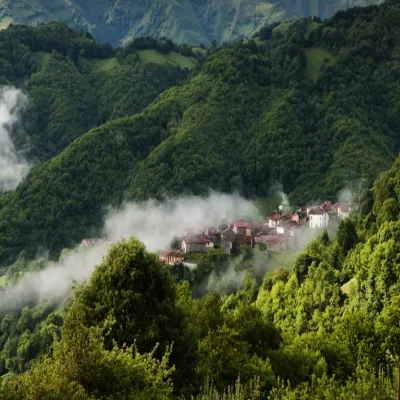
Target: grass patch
{"x":42,"y":58}
{"x":282,"y":28}
{"x":315,"y":60}
{"x":348,"y":286}
{"x":104,"y":65}
{"x":312,"y":26}
{"x":5,"y":22}
{"x":3,"y":281}
{"x":155,"y":57}
{"x":200,"y":51}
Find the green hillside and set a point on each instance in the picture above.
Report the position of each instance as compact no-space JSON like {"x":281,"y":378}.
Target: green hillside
{"x":249,"y":119}
{"x":184,"y":21}
{"x":324,"y":325}
{"x":75,"y":84}
{"x":316,"y":58}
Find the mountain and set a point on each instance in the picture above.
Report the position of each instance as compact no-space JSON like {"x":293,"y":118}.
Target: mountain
{"x":312,"y":107}
{"x":184,"y":21}
{"x":75,"y":84}
{"x":325,"y":327}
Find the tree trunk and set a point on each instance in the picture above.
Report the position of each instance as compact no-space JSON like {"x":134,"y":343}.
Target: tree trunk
{"x":398,"y":379}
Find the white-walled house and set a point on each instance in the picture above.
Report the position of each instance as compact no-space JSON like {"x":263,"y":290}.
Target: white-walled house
{"x":280,"y":230}
{"x":318,"y":218}
{"x":195,"y":245}
{"x":274,"y":219}
{"x":343,"y":211}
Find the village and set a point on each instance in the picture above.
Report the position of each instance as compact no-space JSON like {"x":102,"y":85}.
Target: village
{"x":279,"y":232}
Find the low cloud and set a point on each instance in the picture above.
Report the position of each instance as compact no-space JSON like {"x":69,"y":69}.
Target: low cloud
{"x":154,"y":223}
{"x":157,"y":223}
{"x":55,"y":281}
{"x":13,"y":167}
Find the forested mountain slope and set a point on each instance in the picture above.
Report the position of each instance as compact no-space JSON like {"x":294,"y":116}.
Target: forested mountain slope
{"x":258,"y":113}
{"x":185,"y":21}
{"x":74,"y":84}
{"x":327,"y":328}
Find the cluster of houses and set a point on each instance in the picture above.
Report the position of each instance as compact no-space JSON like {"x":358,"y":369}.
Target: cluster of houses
{"x":279,"y":232}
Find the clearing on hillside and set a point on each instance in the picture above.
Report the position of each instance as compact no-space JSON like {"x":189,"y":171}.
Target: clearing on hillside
{"x":282,"y":27}
{"x":315,"y":59}
{"x":347,"y":287}
{"x":41,"y":58}
{"x":104,"y":65}
{"x":154,"y":56}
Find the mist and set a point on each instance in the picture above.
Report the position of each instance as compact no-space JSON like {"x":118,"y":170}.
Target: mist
{"x":56,"y":281}
{"x":154,"y":223}
{"x":13,"y":167}
{"x":157,"y":223}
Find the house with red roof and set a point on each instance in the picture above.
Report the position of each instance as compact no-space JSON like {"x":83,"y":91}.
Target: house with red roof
{"x":239,"y":227}
{"x":274,"y":219}
{"x":171,"y":257}
{"x":276,"y":243}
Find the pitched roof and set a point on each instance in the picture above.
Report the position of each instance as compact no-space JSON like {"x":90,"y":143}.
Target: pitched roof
{"x":275,"y":216}
{"x":326,"y":204}
{"x":170,"y":252}
{"x":196,"y":241}
{"x":317,"y":211}
{"x":276,"y":238}
{"x":240,"y":224}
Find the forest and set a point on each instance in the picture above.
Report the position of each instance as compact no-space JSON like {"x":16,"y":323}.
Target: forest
{"x":310,"y":105}
{"x":326,"y":328}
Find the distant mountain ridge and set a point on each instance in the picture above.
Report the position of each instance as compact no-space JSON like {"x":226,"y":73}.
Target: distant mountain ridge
{"x":184,"y":21}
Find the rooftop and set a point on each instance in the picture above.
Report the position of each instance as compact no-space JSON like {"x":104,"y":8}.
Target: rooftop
{"x":317,"y":211}
{"x":275,"y":216}
{"x":276,"y":238}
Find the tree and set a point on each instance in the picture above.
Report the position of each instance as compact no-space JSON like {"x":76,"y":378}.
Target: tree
{"x":346,"y":236}
{"x":132,"y":298}
{"x":389,"y":211}
{"x":223,"y":356}
{"x":82,"y":369}
{"x":388,"y":328}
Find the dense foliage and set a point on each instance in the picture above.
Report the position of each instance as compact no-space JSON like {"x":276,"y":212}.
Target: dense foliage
{"x":327,"y":328}
{"x":314,"y":108}
{"x":74,"y":83}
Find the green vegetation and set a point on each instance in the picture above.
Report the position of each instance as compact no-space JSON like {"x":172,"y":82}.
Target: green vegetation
{"x":75,"y":84}
{"x":248,"y":120}
{"x":107,"y":65}
{"x":42,"y":58}
{"x":132,"y":332}
{"x":316,"y":58}
{"x":153,"y":56}
{"x":282,"y":27}
{"x":324,"y":326}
